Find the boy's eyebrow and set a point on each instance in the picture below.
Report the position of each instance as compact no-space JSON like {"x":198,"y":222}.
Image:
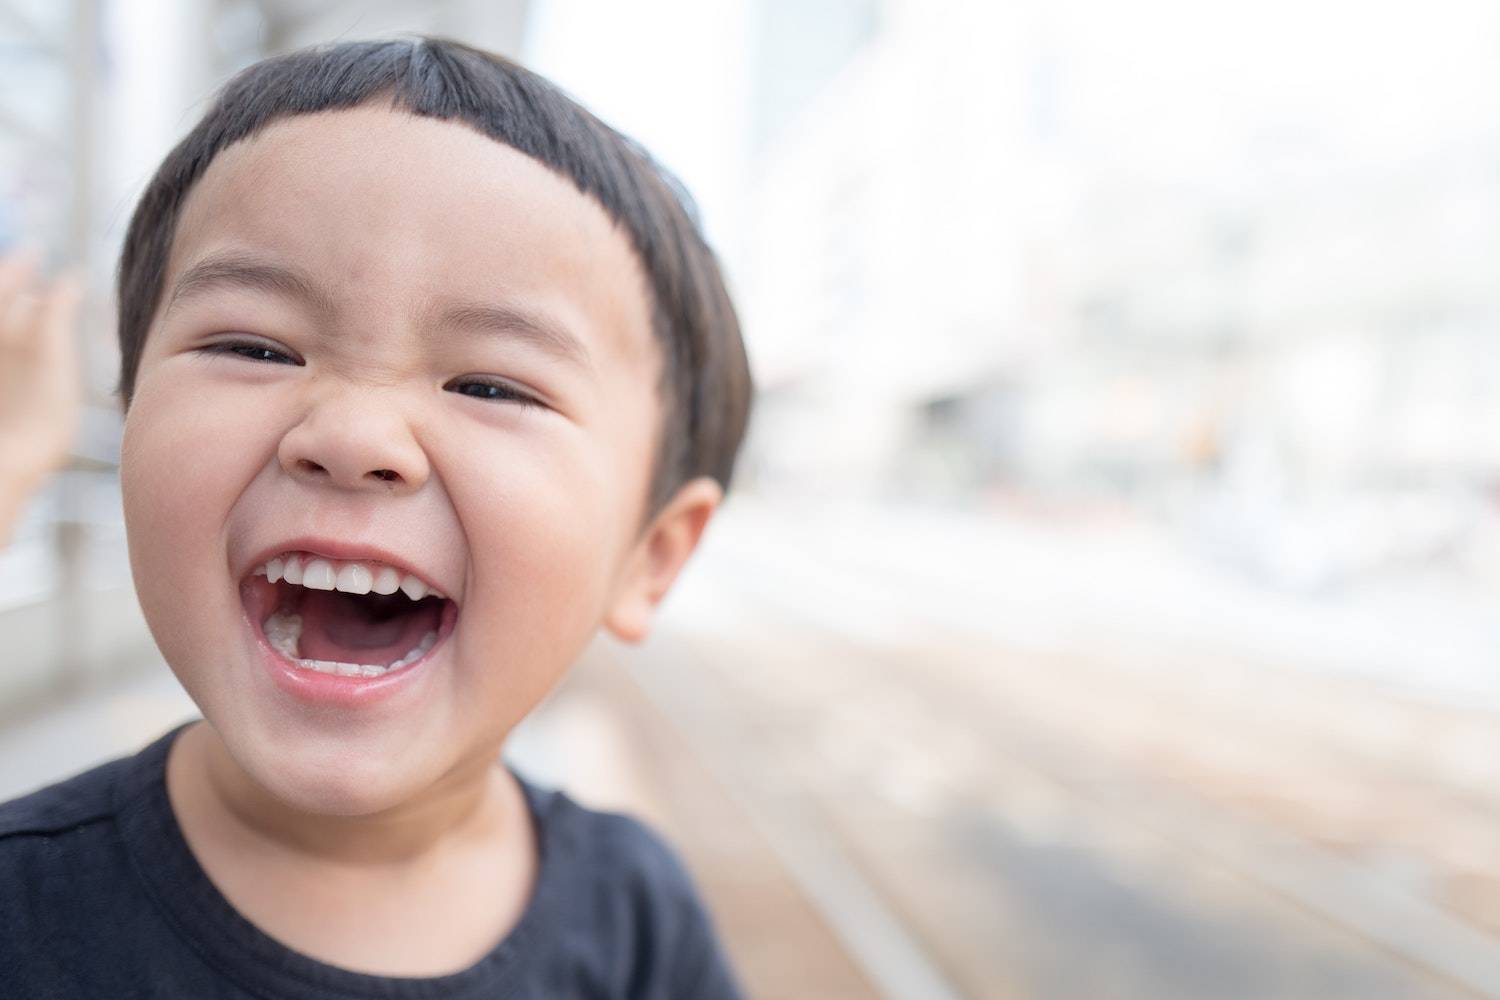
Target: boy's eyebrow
{"x":243,"y":271}
{"x":540,"y":331}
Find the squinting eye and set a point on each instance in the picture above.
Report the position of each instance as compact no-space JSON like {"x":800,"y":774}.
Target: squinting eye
{"x":491,"y":390}
{"x":251,"y":350}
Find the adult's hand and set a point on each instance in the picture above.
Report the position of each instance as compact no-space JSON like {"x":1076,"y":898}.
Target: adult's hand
{"x":40,"y":388}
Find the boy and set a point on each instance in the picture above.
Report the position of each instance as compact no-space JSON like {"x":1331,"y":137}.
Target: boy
{"x":428,"y":374}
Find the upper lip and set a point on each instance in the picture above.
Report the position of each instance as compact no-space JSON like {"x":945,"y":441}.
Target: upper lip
{"x":331,"y":548}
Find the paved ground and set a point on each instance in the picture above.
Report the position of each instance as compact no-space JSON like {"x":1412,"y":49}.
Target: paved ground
{"x":898,"y":771}
{"x":1077,"y":811}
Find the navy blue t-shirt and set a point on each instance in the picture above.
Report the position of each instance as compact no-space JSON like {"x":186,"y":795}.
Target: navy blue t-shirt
{"x":101,"y":897}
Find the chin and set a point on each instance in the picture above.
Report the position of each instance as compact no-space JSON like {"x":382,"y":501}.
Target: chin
{"x":325,"y":795}
{"x":324,"y":780}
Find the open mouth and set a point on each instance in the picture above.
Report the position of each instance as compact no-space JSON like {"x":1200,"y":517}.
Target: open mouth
{"x":351,"y":619}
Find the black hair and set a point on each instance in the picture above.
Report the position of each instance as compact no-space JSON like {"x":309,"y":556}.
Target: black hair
{"x":705,"y":388}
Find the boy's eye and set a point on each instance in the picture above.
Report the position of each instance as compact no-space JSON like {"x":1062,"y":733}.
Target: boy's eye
{"x":251,"y":350}
{"x":466,"y":387}
{"x":490,"y":390}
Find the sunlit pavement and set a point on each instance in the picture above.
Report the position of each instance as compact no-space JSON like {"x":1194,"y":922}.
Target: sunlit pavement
{"x":1065,"y":815}
{"x":924,"y":757}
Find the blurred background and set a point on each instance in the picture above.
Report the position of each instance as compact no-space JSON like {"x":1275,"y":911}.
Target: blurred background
{"x":1106,"y":605}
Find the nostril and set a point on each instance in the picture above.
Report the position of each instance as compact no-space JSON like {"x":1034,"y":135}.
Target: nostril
{"x":308,"y":465}
{"x":388,"y":475}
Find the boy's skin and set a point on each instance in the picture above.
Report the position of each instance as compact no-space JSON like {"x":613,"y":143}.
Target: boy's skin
{"x":40,"y":392}
{"x":386,"y":838}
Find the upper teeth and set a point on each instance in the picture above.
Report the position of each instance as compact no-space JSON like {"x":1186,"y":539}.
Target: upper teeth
{"x":349,"y":577}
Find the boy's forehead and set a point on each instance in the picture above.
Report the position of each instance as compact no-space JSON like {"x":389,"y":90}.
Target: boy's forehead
{"x":386,"y":207}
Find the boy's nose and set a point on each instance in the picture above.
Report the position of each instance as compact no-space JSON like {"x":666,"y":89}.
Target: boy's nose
{"x":354,"y":447}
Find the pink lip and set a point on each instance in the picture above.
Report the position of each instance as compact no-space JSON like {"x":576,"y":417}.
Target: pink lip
{"x":330,"y":548}
{"x":334,"y":690}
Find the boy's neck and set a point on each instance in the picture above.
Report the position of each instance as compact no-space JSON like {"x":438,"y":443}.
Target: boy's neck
{"x":424,"y":890}
{"x":479,"y":800}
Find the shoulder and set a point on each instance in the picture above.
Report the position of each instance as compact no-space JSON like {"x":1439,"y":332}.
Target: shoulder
{"x":620,"y":879}
{"x":70,"y":805}
{"x":68,"y":818}
{"x":72,"y":913}
{"x":616,"y":845}
{"x":620,"y":860}
{"x":58,"y":852}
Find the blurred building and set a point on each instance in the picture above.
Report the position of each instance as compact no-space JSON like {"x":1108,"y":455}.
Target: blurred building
{"x":885,"y":259}
{"x":1012,"y":249}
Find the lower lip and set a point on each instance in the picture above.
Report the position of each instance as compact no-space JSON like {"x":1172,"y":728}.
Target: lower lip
{"x":337,"y":690}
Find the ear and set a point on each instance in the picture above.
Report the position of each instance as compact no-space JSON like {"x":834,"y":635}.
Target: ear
{"x":658,"y":555}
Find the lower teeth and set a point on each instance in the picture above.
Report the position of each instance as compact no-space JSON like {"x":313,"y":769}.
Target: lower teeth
{"x":284,"y":630}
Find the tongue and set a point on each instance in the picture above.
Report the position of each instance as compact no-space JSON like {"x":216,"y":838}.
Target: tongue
{"x":351,"y":629}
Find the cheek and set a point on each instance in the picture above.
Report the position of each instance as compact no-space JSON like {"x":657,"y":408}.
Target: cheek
{"x":178,"y":477}
{"x":540,"y":517}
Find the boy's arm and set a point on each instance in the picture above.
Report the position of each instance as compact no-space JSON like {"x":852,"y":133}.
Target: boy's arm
{"x":39,"y":382}
{"x":15,"y":490}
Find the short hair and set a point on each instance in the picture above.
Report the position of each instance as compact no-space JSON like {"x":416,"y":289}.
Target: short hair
{"x":705,"y":388}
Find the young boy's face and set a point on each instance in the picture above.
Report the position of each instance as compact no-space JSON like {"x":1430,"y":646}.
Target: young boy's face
{"x":403,"y":264}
